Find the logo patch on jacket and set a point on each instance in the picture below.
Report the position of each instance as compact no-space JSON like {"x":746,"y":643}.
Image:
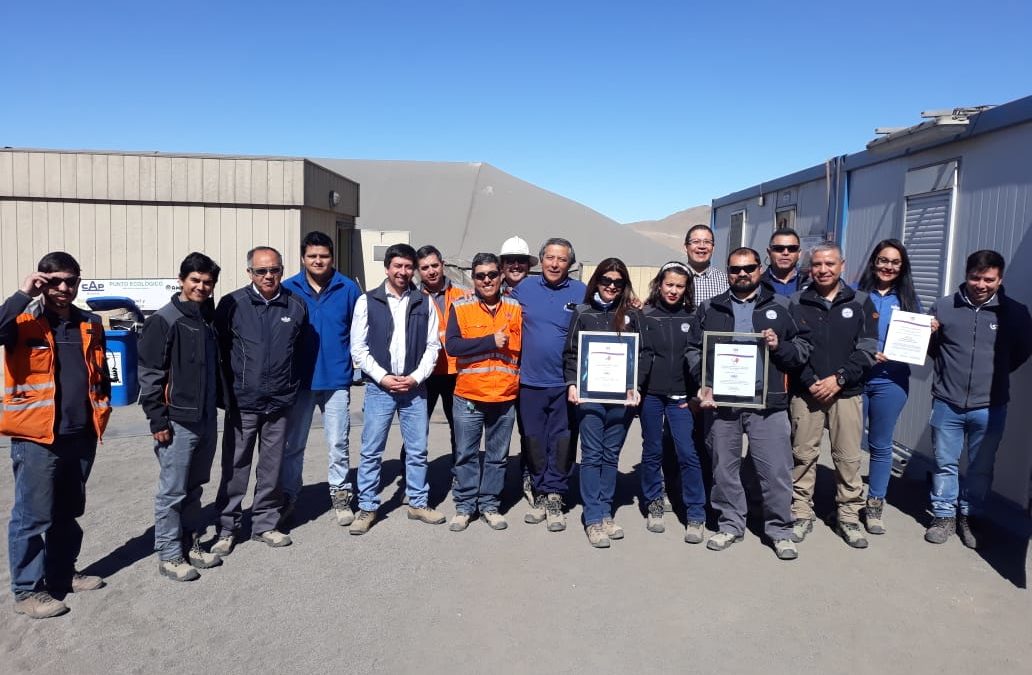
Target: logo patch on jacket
{"x":285,"y":319}
{"x":771,"y":314}
{"x":847,"y":313}
{"x":685,"y":327}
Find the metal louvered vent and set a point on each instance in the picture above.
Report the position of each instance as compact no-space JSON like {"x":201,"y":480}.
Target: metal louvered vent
{"x":926,"y":235}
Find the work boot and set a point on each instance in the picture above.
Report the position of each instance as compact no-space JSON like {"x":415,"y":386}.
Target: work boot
{"x":363,"y":521}
{"x":39,"y":605}
{"x":722,"y":541}
{"x":273,"y":538}
{"x":800,"y":528}
{"x":200,"y":558}
{"x":785,"y":549}
{"x":224,"y":546}
{"x":528,"y":489}
{"x":537,"y":512}
{"x":554,"y":513}
{"x":965,"y":530}
{"x":694,"y":531}
{"x":426,"y":515}
{"x":342,"y":507}
{"x":83,"y":582}
{"x":177,"y":569}
{"x":852,"y":534}
{"x":873,"y":515}
{"x":494,"y":520}
{"x":654,"y":521}
{"x":613,"y":531}
{"x":597,"y":535}
{"x":940,"y":530}
{"x":459,"y":522}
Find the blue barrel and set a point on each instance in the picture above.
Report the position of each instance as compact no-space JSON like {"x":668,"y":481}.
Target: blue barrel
{"x":122,"y":350}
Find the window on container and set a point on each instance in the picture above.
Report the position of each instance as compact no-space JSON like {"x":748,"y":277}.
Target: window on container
{"x":929,"y":194}
{"x":736,"y":232}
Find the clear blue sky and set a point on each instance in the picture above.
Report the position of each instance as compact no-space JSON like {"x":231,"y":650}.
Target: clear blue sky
{"x":636,"y":109}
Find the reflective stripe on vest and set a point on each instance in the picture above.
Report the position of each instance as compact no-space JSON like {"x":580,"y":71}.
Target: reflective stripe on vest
{"x":19,"y":388}
{"x":48,"y":403}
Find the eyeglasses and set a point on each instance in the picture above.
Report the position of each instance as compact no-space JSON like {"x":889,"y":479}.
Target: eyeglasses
{"x":262,"y":271}
{"x":54,"y":282}
{"x":885,"y":262}
{"x":481,"y":276}
{"x":784,"y":248}
{"x":735,"y":270}
{"x":610,"y":281}
{"x":700,"y":242}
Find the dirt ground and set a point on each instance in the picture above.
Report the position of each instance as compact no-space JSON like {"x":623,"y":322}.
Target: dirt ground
{"x":409,"y":597}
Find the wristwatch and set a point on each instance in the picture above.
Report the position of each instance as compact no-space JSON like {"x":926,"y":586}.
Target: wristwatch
{"x":840,"y":378}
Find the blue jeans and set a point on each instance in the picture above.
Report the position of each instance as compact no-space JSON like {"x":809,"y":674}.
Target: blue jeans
{"x":982,"y":429}
{"x":185,"y":467}
{"x":654,"y":409}
{"x":883,"y":402}
{"x":378,"y":413}
{"x":335,"y":405}
{"x":476,"y":488}
{"x":603,"y":429}
{"x":43,"y":538}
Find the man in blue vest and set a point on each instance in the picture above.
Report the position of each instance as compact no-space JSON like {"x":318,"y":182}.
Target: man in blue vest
{"x":394,"y":340}
{"x":326,"y":374}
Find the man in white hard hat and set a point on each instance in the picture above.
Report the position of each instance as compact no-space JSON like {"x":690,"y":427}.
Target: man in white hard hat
{"x":516,"y":263}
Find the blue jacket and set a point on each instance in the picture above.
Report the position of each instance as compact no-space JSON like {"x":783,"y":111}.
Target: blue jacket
{"x":547,"y":312}
{"x":325,"y":360}
{"x":895,"y":371}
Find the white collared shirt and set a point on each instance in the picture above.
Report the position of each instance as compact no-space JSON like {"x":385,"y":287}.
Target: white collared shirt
{"x":398,"y":307}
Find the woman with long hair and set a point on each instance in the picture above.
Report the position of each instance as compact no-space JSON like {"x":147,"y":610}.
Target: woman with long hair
{"x":609,"y":306}
{"x":888,"y":282}
{"x":669,"y":313}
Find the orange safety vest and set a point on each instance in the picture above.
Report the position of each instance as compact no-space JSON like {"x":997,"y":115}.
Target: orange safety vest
{"x":30,"y":380}
{"x":494,"y":376}
{"x":445,"y":364}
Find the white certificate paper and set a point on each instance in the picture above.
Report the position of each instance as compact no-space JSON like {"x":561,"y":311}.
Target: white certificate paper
{"x":907,"y":340}
{"x":607,"y":367}
{"x":734,"y":369}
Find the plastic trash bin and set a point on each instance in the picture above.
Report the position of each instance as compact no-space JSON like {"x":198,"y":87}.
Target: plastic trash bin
{"x":125,"y":320}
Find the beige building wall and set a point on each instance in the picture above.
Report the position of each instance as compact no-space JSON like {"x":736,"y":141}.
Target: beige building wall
{"x":640,"y":277}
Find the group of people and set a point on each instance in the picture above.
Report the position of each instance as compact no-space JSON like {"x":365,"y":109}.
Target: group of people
{"x":502,"y":354}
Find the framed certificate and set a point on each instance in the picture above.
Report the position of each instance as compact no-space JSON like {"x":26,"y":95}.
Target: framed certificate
{"x":607,"y":366}
{"x":734,"y":366}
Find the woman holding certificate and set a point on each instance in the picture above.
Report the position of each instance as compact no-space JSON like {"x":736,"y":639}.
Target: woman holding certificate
{"x":888,"y":282}
{"x":601,"y":370}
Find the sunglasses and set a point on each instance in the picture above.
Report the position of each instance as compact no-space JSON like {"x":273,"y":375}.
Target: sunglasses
{"x":54,"y":282}
{"x":609,"y":281}
{"x":481,"y":276}
{"x":262,"y":271}
{"x":785,"y":248}
{"x":735,"y":270}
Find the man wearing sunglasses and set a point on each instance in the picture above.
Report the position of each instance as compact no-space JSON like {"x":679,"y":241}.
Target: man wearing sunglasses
{"x":56,"y":407}
{"x":259,"y":329}
{"x":783,"y":252}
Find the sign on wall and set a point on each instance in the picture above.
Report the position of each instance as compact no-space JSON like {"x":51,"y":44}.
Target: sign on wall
{"x":148,"y":294}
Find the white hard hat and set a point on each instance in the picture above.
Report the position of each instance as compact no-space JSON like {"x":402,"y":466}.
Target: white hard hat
{"x":517,"y":246}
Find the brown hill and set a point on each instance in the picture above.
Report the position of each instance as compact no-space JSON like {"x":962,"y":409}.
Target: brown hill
{"x":670,"y":231}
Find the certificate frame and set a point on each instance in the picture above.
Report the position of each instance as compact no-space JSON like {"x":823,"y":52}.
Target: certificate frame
{"x":627,"y":367}
{"x":710,"y":339}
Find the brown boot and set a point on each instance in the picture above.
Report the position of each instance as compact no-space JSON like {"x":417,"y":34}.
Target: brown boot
{"x":39,"y":605}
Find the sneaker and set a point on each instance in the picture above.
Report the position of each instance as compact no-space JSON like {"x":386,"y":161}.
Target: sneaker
{"x":459,"y":522}
{"x":84,"y":582}
{"x":494,"y":520}
{"x":873,"y":516}
{"x":363,"y":521}
{"x":654,"y":522}
{"x":273,"y":538}
{"x":852,"y":534}
{"x":597,"y":536}
{"x":224,"y":546}
{"x":537,"y":512}
{"x":940,"y":530}
{"x":668,"y":506}
{"x":200,"y":558}
{"x":722,"y":540}
{"x":785,"y":549}
{"x":177,"y":569}
{"x":554,"y":513}
{"x":342,"y":507}
{"x":426,"y":515}
{"x":694,"y":531}
{"x":613,"y":531}
{"x":965,"y":530}
{"x":800,"y":528}
{"x":39,"y":605}
{"x":528,"y":489}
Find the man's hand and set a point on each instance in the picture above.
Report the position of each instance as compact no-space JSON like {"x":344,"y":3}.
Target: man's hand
{"x":771,"y":337}
{"x":825,"y":390}
{"x":705,"y":397}
{"x":163,"y":437}
{"x":880,"y":358}
{"x":398,"y":384}
{"x":501,"y":339}
{"x":935,"y":324}
{"x":633,"y":398}
{"x":571,"y":395}
{"x":34,"y":283}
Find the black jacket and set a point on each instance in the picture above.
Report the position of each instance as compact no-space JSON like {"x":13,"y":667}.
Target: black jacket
{"x":592,"y":317}
{"x":844,"y":338}
{"x":259,"y":343}
{"x":665,"y":334}
{"x":173,"y":368}
{"x":769,"y":311}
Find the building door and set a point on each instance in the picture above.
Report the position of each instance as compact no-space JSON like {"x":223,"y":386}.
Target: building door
{"x":342,"y":246}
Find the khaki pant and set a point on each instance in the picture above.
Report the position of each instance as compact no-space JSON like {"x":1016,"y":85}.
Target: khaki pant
{"x":842,"y":418}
